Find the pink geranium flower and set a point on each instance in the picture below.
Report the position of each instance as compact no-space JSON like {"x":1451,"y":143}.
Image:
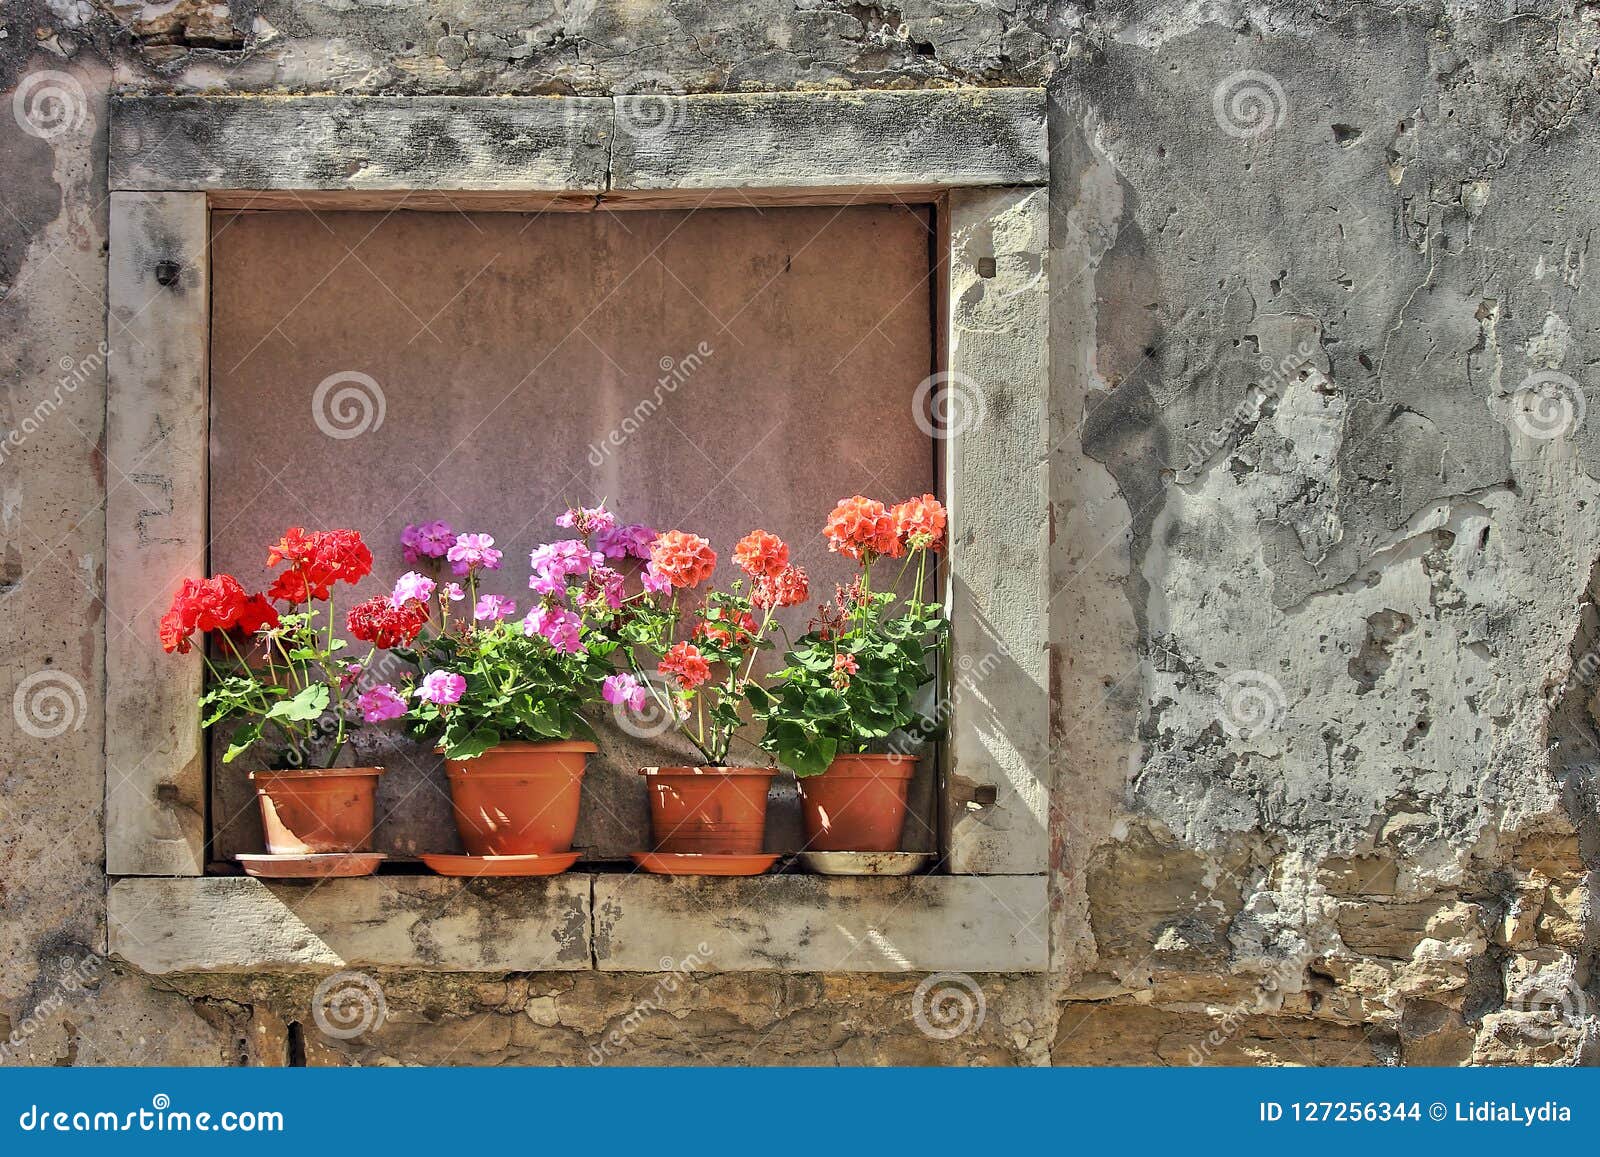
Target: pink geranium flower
{"x":411,"y":585}
{"x":453,"y":592}
{"x":556,"y":624}
{"x":587,"y":520}
{"x":381,"y":703}
{"x":493,"y":608}
{"x":631,"y":541}
{"x":442,"y":687}
{"x":473,"y":552}
{"x":623,"y":689}
{"x":554,"y":562}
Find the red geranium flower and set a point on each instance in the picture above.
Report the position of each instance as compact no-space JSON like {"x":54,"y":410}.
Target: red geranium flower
{"x":316,"y":561}
{"x":384,"y":625}
{"x":686,"y":662}
{"x":861,"y":526}
{"x":919,"y":523}
{"x":788,"y":588}
{"x":686,"y":560}
{"x":761,"y":554}
{"x":257,"y":613}
{"x":214,"y":604}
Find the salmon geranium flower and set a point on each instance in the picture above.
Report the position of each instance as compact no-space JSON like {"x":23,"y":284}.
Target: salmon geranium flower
{"x":861,"y":526}
{"x":920,"y":523}
{"x":761,"y":554}
{"x":788,"y":588}
{"x":686,"y":560}
{"x":685,"y":661}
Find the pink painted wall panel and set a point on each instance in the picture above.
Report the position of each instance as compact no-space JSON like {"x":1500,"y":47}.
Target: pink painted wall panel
{"x":713,"y":370}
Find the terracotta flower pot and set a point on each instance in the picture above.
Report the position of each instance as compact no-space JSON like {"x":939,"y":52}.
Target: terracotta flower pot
{"x":519,"y":799}
{"x":312,"y":810}
{"x":858,"y":804}
{"x":718,"y":811}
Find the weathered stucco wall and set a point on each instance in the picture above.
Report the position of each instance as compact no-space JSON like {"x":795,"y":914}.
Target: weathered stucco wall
{"x":1325,"y":527}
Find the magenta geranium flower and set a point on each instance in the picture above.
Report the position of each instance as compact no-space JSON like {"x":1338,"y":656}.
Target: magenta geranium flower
{"x":426,"y":540}
{"x":473,"y":552}
{"x":623,"y":689}
{"x":557,"y":624}
{"x":603,"y":585}
{"x":631,"y":541}
{"x":493,"y":608}
{"x":554,"y":562}
{"x":411,"y":585}
{"x":442,"y":687}
{"x":587,"y":520}
{"x":381,"y":703}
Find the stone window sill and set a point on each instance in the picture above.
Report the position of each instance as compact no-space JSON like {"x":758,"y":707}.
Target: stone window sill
{"x":614,"y":922}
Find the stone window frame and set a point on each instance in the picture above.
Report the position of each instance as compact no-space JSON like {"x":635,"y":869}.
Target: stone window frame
{"x":978,"y":155}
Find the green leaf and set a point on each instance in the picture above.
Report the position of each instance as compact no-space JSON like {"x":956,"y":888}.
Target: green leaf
{"x":309,"y":704}
{"x":473,"y":745}
{"x":241,"y":741}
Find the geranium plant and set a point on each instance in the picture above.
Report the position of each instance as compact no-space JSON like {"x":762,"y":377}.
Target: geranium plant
{"x":486,"y":677}
{"x":706,"y":648}
{"x":281,"y":673}
{"x":853,"y":679}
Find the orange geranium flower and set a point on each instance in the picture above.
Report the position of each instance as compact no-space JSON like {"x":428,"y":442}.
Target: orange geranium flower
{"x":685,"y":661}
{"x":920,"y":522}
{"x":686,"y":560}
{"x":859,"y":526}
{"x":761,"y":554}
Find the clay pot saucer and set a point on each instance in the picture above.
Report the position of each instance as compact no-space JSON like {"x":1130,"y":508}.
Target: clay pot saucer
{"x":866,"y":863}
{"x":311,"y":865}
{"x":547,"y":864}
{"x":705,"y":864}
